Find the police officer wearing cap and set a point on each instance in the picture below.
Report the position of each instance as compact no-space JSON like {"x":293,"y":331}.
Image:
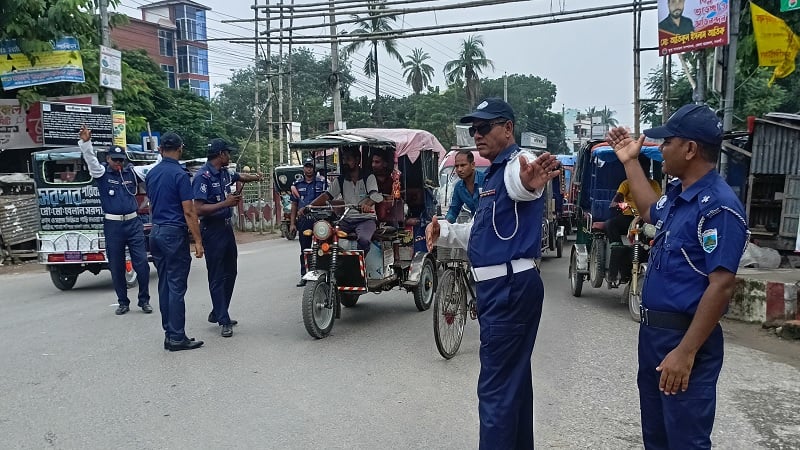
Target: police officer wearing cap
{"x":503,"y":240}
{"x":172,"y":212}
{"x":701,"y":235}
{"x":304,"y":191}
{"x":118,"y":184}
{"x":214,"y":196}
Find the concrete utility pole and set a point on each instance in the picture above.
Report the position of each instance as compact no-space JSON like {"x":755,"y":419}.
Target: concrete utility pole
{"x":270,"y":152}
{"x":505,"y":86}
{"x":337,"y":97}
{"x":106,"y":35}
{"x":730,"y":79}
{"x":281,"y":125}
{"x":699,"y":96}
{"x":257,"y":117}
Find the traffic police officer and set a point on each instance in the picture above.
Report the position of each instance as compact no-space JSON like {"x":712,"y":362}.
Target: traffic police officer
{"x":172,"y":211}
{"x":118,"y":185}
{"x":214,"y":195}
{"x":304,"y":191}
{"x":701,"y":235}
{"x":502,"y":242}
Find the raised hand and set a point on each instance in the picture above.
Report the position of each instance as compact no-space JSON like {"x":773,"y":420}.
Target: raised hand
{"x":536,"y":174}
{"x":432,"y":233}
{"x":626,"y":148}
{"x":85,"y":134}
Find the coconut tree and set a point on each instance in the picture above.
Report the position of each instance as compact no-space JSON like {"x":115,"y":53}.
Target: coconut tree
{"x":418,"y":73}
{"x":468,"y":67}
{"x":375,"y":21}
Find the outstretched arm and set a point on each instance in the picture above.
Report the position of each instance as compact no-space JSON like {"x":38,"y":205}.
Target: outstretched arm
{"x":627,"y":150}
{"x":96,"y":170}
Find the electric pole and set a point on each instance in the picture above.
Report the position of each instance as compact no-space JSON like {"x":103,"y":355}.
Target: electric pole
{"x":730,"y":79}
{"x":106,"y":42}
{"x":257,"y":117}
{"x":337,"y":98}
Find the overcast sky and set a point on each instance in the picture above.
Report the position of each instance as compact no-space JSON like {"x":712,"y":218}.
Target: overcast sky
{"x":589,"y":61}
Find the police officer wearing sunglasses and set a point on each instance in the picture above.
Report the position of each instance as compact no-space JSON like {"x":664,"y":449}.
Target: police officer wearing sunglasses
{"x":503,"y":242}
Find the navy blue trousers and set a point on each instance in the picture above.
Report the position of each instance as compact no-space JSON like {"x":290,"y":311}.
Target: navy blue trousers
{"x":128,"y":233}
{"x":169,"y":246}
{"x":683,"y":420}
{"x":304,"y":224}
{"x":509,"y":309}
{"x":221,"y":255}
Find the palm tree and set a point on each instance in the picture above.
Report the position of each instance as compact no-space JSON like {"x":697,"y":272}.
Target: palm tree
{"x":468,"y":67}
{"x":374,"y":22}
{"x":418,"y":73}
{"x":607,"y":117}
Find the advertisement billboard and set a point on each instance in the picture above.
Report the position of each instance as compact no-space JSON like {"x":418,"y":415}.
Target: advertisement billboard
{"x":689,"y":25}
{"x":63,"y":63}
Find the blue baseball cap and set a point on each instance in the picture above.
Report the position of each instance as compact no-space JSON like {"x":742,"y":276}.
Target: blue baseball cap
{"x":116,"y":152}
{"x":491,"y":108}
{"x":171,"y":141}
{"x":308,"y":162}
{"x":693,"y":122}
{"x":217,"y":146}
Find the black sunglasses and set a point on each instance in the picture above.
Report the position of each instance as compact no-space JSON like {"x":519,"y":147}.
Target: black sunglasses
{"x":485,"y":128}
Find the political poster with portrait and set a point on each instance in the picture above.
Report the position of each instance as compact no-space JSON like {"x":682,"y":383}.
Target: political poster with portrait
{"x":689,"y":25}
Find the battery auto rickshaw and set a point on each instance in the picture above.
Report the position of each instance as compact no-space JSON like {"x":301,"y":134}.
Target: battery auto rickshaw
{"x":338,"y":272}
{"x":598,"y":174}
{"x":284,"y":178}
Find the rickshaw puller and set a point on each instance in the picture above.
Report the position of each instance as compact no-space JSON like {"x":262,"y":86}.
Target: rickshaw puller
{"x":304,"y":191}
{"x":118,"y":184}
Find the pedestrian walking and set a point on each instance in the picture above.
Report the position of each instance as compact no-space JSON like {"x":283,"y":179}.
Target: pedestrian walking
{"x":172,"y":212}
{"x":304,"y":191}
{"x":701,"y":235}
{"x":503,"y":243}
{"x":118,"y":184}
{"x":214,"y":195}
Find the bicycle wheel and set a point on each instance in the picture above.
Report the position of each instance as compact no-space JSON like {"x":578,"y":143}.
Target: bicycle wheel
{"x":449,"y":313}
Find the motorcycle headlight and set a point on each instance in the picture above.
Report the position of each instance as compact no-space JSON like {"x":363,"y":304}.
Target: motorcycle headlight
{"x":322,"y":230}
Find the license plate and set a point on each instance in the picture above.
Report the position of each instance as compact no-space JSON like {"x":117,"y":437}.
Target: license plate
{"x":73,"y":256}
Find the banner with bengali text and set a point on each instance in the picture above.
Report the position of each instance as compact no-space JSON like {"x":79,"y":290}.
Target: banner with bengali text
{"x":692,"y":25}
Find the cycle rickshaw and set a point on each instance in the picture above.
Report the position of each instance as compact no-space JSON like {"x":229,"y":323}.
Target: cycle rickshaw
{"x":598,"y":174}
{"x":283,"y":179}
{"x":338,"y":272}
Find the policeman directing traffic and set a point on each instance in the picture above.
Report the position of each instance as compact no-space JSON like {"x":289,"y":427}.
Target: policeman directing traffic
{"x":214,"y":195}
{"x":701,"y":235}
{"x":118,"y":184}
{"x":304,"y":191}
{"x":503,"y":242}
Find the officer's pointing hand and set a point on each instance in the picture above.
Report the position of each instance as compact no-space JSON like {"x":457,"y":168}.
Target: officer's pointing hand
{"x":536,"y":174}
{"x":85,"y":134}
{"x":432,"y":233}
{"x":626,"y":148}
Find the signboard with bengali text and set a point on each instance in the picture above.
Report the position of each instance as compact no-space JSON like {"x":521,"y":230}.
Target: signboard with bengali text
{"x":696,"y":25}
{"x":61,"y":123}
{"x":70,"y":208}
{"x":62,"y":63}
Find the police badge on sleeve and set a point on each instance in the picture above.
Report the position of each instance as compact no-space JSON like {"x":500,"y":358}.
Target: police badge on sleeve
{"x":709,"y":240}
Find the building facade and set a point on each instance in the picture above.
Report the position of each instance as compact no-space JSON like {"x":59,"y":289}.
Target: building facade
{"x":173,"y":34}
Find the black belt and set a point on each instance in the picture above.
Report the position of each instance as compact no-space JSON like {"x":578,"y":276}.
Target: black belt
{"x":661,"y":319}
{"x":215,"y":221}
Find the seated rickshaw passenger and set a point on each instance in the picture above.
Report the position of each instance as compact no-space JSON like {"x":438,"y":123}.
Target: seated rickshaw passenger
{"x":390,"y":210}
{"x":355,"y":188}
{"x":617,"y":226}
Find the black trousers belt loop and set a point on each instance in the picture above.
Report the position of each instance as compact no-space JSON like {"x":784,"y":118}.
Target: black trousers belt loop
{"x":661,"y":319}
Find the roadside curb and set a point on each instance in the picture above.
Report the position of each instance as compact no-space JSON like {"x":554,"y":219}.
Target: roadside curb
{"x":763,"y":301}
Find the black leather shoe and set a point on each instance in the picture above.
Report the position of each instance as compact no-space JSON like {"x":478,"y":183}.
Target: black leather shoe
{"x":146,"y":308}
{"x":186,"y":344}
{"x":227,"y":330}
{"x":301,"y":283}
{"x":122,"y":309}
{"x":166,"y":343}
{"x":213,"y":319}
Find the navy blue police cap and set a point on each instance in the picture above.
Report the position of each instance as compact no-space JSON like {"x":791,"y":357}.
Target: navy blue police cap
{"x":491,"y":108}
{"x":217,"y":146}
{"x":116,"y":152}
{"x":308,"y":162}
{"x":171,"y":141}
{"x":693,"y":122}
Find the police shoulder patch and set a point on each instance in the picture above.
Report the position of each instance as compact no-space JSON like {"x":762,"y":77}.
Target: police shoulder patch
{"x":661,"y":202}
{"x":709,"y":239}
{"x":203,"y":187}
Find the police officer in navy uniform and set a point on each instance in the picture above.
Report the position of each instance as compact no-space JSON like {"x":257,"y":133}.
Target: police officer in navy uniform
{"x":304,"y":191}
{"x":118,"y":184}
{"x":214,"y":195}
{"x":690,"y":278}
{"x":503,"y":241}
{"x":172,"y":212}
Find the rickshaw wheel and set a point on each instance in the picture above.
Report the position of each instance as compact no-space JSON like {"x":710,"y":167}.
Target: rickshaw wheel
{"x":62,"y":279}
{"x":449,"y":314}
{"x":597,"y":263}
{"x":316,"y":317}
{"x":575,"y":279}
{"x":348,"y":300}
{"x":634,"y":299}
{"x":423,"y":293}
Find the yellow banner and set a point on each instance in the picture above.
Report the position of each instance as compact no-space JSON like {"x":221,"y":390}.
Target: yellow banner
{"x":63,"y":63}
{"x":118,"y":117}
{"x":776,"y":42}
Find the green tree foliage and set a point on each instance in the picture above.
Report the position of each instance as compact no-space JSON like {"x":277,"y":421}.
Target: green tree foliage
{"x":468,"y":67}
{"x":418,"y":73}
{"x":375,"y":21}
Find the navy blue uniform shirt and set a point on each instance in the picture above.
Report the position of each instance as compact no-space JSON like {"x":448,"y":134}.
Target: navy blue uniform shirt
{"x":461,"y":197}
{"x":118,"y":190}
{"x":168,"y":186}
{"x":700,"y":230}
{"x":504,"y":229}
{"x":212,"y":186}
{"x":308,"y":191}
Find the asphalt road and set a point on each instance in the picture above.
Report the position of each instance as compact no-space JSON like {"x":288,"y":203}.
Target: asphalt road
{"x":74,"y":375}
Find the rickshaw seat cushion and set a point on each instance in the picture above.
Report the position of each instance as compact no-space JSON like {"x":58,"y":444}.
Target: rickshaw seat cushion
{"x":601,"y":201}
{"x":598,"y":226}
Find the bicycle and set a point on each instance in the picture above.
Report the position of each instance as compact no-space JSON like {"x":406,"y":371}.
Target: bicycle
{"x":451,"y":304}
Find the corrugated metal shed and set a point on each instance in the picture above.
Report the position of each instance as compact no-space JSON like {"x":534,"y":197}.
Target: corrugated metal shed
{"x":19,"y":218}
{"x":776,"y":145}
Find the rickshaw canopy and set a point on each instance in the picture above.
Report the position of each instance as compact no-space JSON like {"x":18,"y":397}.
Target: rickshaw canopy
{"x":406,"y":142}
